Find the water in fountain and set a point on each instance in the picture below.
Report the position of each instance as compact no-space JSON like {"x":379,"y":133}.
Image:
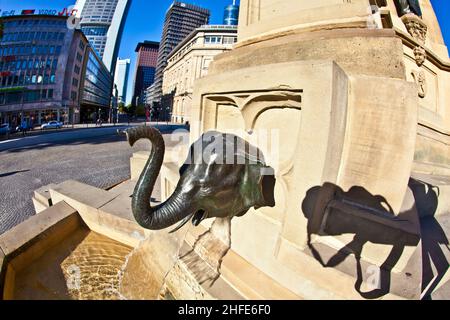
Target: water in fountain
{"x":143,"y":273}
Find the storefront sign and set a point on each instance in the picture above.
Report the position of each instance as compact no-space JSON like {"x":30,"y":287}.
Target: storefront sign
{"x":8,"y":13}
{"x":50,"y":12}
{"x":8,"y":58}
{"x":25,"y":12}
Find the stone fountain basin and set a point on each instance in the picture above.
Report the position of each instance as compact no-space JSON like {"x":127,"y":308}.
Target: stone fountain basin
{"x":87,"y":245}
{"x":76,"y":249}
{"x":54,"y":255}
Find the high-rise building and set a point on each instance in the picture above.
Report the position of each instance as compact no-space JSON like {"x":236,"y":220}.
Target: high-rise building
{"x":231,"y":14}
{"x":102,"y":22}
{"x":144,"y":76}
{"x":181,"y":19}
{"x":121,"y":79}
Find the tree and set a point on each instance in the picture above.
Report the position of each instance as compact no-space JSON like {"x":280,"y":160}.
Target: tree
{"x":130,"y":109}
{"x":122,"y":108}
{"x":140,"y":110}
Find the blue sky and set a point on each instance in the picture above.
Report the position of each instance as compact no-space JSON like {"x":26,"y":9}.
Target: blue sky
{"x":145,"y":20}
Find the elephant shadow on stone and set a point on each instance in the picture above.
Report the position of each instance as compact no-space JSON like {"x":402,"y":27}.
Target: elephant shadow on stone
{"x":435,"y":244}
{"x":370,"y":218}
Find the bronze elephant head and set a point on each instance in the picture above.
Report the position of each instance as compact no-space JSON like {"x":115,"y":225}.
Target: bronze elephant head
{"x":223,"y":176}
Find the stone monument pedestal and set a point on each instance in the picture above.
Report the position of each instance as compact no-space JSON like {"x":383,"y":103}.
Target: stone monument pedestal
{"x":323,"y":88}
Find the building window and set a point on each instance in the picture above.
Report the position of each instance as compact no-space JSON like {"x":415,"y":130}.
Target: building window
{"x":74,"y":82}
{"x":229,"y":40}
{"x":213,"y":39}
{"x":73,"y":95}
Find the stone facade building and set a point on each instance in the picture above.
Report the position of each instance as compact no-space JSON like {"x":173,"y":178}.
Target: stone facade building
{"x":190,"y":61}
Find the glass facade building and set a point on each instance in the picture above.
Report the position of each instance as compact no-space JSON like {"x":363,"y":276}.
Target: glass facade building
{"x":147,"y":56}
{"x":231,"y":15}
{"x":121,"y":78}
{"x":102,"y":22}
{"x":42,"y":70}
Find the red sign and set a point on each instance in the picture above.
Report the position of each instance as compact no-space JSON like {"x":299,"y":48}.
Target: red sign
{"x":30,"y":11}
{"x":9,"y":58}
{"x":5,"y":73}
{"x":67,"y":12}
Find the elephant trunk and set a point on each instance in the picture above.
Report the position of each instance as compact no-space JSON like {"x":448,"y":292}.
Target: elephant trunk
{"x":173,"y":209}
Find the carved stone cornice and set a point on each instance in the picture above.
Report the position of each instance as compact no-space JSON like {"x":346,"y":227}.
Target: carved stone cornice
{"x":416,"y":27}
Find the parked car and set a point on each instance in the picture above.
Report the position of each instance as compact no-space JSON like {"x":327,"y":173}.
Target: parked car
{"x":5,"y":129}
{"x":52,"y":125}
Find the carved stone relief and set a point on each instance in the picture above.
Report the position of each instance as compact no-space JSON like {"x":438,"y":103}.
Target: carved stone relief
{"x":420,"y":79}
{"x":418,"y":30}
{"x":245,"y":113}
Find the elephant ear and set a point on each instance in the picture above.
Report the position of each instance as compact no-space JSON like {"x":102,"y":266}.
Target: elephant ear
{"x":248,"y":153}
{"x":190,"y":159}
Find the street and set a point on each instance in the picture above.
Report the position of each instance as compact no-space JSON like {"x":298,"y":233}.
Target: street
{"x":96,"y":156}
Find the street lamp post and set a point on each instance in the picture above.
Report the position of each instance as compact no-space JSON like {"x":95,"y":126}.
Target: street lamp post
{"x":167,"y":113}
{"x":73,"y":112}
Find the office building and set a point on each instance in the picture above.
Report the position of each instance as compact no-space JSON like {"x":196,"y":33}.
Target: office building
{"x":102,"y":21}
{"x":231,"y":14}
{"x":49,"y":72}
{"x":121,"y":79}
{"x":190,"y":61}
{"x":181,"y":19}
{"x":144,"y":75}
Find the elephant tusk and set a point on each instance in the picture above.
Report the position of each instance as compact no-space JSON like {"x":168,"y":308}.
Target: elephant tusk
{"x":182,"y":223}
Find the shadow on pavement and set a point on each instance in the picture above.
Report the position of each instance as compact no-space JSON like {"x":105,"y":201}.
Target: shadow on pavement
{"x":12,"y":173}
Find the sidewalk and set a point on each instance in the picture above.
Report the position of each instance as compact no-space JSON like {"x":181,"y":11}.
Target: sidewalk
{"x":162,"y":126}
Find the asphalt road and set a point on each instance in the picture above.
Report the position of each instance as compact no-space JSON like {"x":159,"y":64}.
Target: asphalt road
{"x":96,"y":156}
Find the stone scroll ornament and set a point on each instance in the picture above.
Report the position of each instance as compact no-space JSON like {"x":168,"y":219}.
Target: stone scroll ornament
{"x":214,"y":182}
